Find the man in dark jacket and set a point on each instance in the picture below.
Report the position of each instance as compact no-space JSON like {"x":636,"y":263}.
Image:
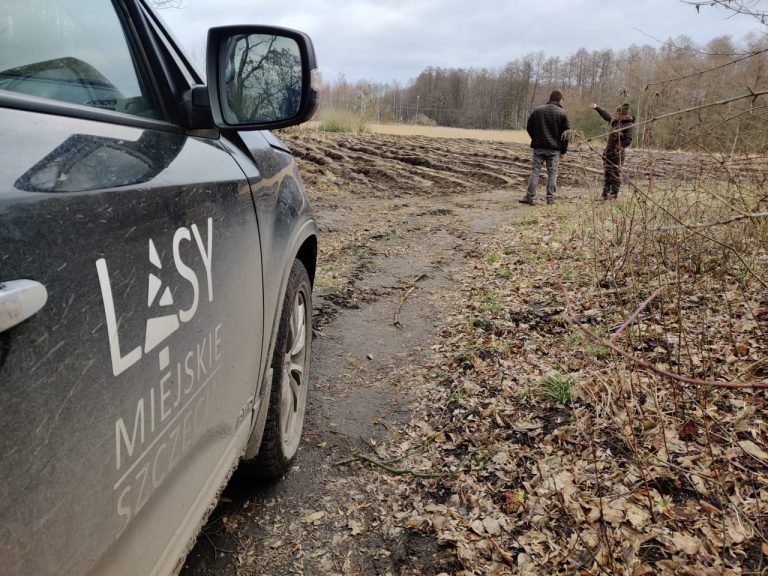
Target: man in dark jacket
{"x":546,"y":126}
{"x":622,"y":131}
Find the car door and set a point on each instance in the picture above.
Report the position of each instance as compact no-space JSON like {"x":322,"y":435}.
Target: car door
{"x":130,"y":299}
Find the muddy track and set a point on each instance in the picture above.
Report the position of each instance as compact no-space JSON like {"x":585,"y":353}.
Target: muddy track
{"x":423,"y":165}
{"x":398,"y":218}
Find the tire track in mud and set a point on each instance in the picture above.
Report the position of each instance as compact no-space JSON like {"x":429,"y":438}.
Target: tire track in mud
{"x":424,"y":165}
{"x":418,"y":166}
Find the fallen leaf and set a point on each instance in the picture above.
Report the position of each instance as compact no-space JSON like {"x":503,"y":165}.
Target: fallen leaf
{"x":685,"y":543}
{"x":356,"y":527}
{"x":754,"y":450}
{"x":477,"y":527}
{"x":416,"y":522}
{"x":491,"y":526}
{"x":637,"y":516}
{"x":314,"y":517}
{"x":501,"y":458}
{"x":525,"y":426}
{"x":688,"y":431}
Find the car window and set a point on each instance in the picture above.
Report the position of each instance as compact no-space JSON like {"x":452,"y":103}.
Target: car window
{"x":71,"y":50}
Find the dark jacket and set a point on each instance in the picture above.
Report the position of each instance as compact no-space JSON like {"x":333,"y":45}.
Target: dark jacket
{"x":546,"y":126}
{"x":622,"y":129}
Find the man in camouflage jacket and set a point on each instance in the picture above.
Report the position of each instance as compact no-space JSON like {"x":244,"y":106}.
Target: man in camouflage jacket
{"x":622,"y":131}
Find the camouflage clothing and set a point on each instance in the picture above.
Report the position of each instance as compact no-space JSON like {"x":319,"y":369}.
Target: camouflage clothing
{"x":622,"y":132}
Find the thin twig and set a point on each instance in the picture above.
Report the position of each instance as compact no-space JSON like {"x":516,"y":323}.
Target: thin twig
{"x":636,"y":313}
{"x":506,"y":556}
{"x":396,"y":471}
{"x":421,"y":447}
{"x":598,"y":493}
{"x":731,"y":249}
{"x":567,"y":513}
{"x":701,"y":72}
{"x":747,"y":216}
{"x":412,"y":287}
{"x":752,"y":94}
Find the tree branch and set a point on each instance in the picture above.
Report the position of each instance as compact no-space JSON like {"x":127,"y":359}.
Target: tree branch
{"x":752,"y":94}
{"x":644,"y":363}
{"x":700,"y":72}
{"x":713,"y":224}
{"x":396,"y":471}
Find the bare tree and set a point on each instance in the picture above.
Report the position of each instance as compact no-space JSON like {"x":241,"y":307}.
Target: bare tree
{"x":166,"y":4}
{"x":755,"y":8}
{"x":659,"y":81}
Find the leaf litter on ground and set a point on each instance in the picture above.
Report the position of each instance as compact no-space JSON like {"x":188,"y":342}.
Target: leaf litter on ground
{"x":552,"y":454}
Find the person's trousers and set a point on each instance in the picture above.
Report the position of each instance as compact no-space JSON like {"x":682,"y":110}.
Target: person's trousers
{"x":612,"y":161}
{"x":552,"y":160}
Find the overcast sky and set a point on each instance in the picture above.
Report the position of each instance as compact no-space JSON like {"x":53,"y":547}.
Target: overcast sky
{"x":386,"y":40}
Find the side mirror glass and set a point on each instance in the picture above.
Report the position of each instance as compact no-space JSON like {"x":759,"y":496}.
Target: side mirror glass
{"x":262,"y":80}
{"x":260,"y":77}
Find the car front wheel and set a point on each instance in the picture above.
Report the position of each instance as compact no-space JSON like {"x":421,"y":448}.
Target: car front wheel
{"x":290,"y":365}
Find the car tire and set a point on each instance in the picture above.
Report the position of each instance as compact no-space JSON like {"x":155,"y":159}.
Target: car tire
{"x":290,"y":367}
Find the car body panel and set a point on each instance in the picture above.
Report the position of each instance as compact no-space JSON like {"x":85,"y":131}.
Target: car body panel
{"x":164,"y":245}
{"x":286,"y":220}
{"x":118,"y":421}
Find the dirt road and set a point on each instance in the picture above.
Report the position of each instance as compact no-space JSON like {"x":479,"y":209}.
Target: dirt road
{"x":426,"y":254}
{"x":398,"y":218}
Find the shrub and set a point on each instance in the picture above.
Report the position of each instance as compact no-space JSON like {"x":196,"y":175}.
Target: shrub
{"x":340,"y":121}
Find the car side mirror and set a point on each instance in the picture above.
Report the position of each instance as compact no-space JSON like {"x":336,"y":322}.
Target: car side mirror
{"x":260,"y":77}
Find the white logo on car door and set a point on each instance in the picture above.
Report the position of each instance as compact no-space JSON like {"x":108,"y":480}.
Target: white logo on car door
{"x":168,"y":320}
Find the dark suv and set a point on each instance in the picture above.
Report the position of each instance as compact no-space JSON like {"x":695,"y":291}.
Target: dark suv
{"x":157,"y":253}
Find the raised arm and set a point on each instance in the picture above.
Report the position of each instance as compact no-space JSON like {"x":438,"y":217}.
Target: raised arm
{"x":603,"y":113}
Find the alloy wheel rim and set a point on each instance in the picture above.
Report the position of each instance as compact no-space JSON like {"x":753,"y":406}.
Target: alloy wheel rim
{"x":294,"y":378}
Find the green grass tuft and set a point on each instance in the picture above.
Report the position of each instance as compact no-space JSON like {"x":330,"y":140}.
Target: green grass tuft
{"x":557,"y":388}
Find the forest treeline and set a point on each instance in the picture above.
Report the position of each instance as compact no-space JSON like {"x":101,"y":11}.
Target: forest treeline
{"x":657,"y":82}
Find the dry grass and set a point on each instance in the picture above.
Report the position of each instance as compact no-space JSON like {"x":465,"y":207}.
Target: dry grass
{"x":535,"y":448}
{"x":563,"y":457}
{"x":517,"y":136}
